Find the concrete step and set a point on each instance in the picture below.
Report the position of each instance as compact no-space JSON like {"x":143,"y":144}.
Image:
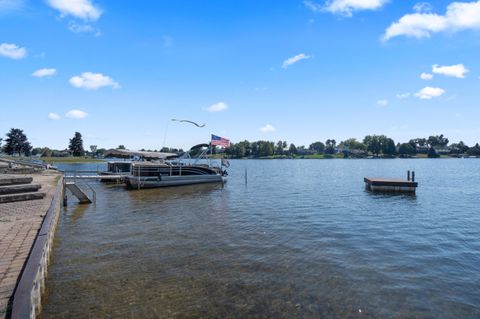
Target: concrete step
{"x":14,"y":180}
{"x":20,"y":197}
{"x":16,"y":189}
{"x":19,"y":170}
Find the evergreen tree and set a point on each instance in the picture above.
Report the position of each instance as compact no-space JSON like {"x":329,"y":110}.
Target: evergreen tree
{"x":17,"y":143}
{"x":76,"y":145}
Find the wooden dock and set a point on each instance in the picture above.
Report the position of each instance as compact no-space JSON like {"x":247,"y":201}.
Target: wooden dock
{"x":96,"y":177}
{"x":392,"y":185}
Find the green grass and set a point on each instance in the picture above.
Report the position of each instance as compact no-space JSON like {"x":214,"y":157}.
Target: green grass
{"x":323,"y":156}
{"x":70,"y":159}
{"x":425,"y":156}
{"x":421,"y":155}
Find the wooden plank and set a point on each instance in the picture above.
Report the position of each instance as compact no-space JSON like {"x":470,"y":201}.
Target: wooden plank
{"x":113,"y":177}
{"x":389,"y":182}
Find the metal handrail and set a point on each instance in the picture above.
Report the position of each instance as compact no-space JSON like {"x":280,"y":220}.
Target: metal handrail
{"x":94,"y":193}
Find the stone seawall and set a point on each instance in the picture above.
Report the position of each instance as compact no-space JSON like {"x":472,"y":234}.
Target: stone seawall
{"x":27,"y":297}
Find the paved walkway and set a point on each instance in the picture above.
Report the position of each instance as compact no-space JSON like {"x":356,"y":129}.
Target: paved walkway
{"x":19,"y":224}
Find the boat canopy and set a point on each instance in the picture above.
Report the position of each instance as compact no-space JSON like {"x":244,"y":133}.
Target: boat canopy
{"x":199,"y":146}
{"x":143,"y":154}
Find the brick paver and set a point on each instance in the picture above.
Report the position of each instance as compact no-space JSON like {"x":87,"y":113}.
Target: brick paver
{"x":19,"y":225}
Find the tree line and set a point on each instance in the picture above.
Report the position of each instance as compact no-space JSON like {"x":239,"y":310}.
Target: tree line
{"x":16,"y":143}
{"x":371,"y":145}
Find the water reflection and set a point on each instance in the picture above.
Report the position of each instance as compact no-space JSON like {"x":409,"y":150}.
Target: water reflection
{"x":303,"y":240}
{"x":78,"y":212}
{"x":167,"y":193}
{"x":406,"y":196}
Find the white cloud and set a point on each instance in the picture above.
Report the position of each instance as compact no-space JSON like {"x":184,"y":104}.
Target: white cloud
{"x":12,"y":51}
{"x":382,"y":102}
{"x":80,"y":28}
{"x":268,"y":129}
{"x":403,"y":95}
{"x":217,"y":107}
{"x":457,"y":70}
{"x":312,"y":6}
{"x":422,"y":7}
{"x":345,"y":7}
{"x":428,"y":93}
{"x":93,"y":81}
{"x":83,"y":28}
{"x":458,"y":16}
{"x":83,"y":9}
{"x":295,"y":59}
{"x":426,"y":76}
{"x":53,"y":116}
{"x":44,"y":72}
{"x":76,"y":114}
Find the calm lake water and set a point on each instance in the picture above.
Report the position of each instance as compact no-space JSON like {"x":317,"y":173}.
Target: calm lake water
{"x":302,"y":240}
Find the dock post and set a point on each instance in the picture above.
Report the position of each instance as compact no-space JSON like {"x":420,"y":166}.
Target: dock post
{"x":139,"y":169}
{"x":413,"y":176}
{"x":408,"y":175}
{"x":246,"y":180}
{"x":64,"y":193}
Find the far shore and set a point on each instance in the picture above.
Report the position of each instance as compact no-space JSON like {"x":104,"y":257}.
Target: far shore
{"x":336,"y":156}
{"x":78,"y":160}
{"x":70,"y":159}
{"x":53,"y":160}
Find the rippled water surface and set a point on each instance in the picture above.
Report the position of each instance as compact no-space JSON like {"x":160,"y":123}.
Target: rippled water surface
{"x":302,"y":240}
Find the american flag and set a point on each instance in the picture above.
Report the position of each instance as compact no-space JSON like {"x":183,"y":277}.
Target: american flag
{"x":220,"y":141}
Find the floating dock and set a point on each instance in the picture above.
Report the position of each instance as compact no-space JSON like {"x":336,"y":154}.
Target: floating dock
{"x":392,"y":185}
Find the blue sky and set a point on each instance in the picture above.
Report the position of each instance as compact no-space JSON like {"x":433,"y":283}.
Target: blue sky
{"x":301,"y":71}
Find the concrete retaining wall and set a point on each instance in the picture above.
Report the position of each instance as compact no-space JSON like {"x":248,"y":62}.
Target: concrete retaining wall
{"x":28,"y":293}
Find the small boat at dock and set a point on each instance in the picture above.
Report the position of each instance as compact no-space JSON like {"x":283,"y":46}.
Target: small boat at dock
{"x":167,"y":169}
{"x":151,"y":175}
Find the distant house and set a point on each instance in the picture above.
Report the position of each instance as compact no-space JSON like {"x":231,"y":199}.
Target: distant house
{"x":422,"y":149}
{"x":64,"y":153}
{"x":305,"y":151}
{"x":355,"y":153}
{"x":442,"y":150}
{"x":358,"y":153}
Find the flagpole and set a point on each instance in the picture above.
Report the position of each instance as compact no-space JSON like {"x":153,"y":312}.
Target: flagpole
{"x":210,"y":158}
